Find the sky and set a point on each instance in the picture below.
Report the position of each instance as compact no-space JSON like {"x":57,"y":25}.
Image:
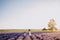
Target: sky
{"x":28,"y":14}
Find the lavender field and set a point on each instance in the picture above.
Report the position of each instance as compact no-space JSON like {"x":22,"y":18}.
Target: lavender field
{"x":32,"y":36}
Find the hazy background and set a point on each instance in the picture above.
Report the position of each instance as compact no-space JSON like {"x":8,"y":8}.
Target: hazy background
{"x":28,"y":14}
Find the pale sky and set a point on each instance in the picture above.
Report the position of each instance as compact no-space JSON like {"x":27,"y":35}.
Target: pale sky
{"x":28,"y":14}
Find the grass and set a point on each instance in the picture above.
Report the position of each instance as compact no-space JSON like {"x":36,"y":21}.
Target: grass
{"x":24,"y":30}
